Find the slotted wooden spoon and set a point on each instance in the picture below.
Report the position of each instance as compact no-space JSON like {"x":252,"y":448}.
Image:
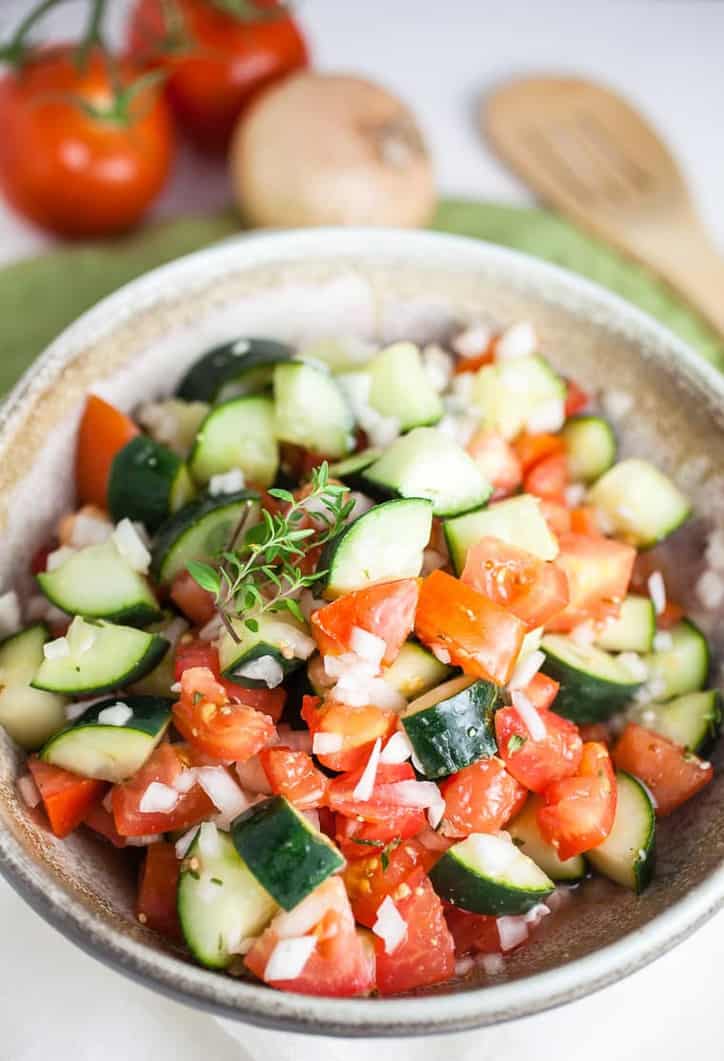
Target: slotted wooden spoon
{"x":585,"y":151}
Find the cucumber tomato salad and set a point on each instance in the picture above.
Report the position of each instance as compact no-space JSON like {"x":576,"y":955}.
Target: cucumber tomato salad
{"x":360,"y":653}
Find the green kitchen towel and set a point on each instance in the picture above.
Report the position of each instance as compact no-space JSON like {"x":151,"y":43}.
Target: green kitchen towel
{"x":40,"y":296}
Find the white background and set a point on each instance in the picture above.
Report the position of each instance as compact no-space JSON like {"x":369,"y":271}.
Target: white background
{"x":440,"y":55}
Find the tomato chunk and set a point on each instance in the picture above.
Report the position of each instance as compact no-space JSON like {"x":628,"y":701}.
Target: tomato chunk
{"x":292,"y":774}
{"x":556,"y":515}
{"x":532,"y":449}
{"x":576,"y":399}
{"x":224,"y":731}
{"x":481,"y":798}
{"x":66,"y":797}
{"x":427,"y":954}
{"x":541,"y":691}
{"x":164,"y":766}
{"x":380,"y":807}
{"x":392,"y":870}
{"x":671,"y":773}
{"x":355,"y":838}
{"x":386,"y":610}
{"x":477,"y":634}
{"x":196,"y":603}
{"x":101,"y":821}
{"x":498,"y":462}
{"x":548,"y":478}
{"x":532,"y":589}
{"x":156,"y":899}
{"x":103,"y":432}
{"x":583,"y":521}
{"x":473,"y":933}
{"x":537,"y":763}
{"x":342,"y":962}
{"x":357,"y":727}
{"x":198,"y":653}
{"x":579,"y":811}
{"x":598,"y":572}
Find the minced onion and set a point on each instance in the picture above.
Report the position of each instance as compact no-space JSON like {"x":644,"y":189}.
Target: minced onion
{"x":265,"y":669}
{"x":512,"y":931}
{"x":131,"y":546}
{"x":397,"y":749}
{"x":657,"y":591}
{"x":223,"y":792}
{"x":327,"y":743}
{"x":367,"y":646}
{"x":57,"y":649}
{"x":529,"y":716}
{"x":365,"y":786}
{"x":390,"y":925}
{"x":208,"y":840}
{"x":115,"y":715}
{"x":519,"y":340}
{"x":287,"y":960}
{"x":526,"y":670}
{"x":184,"y":842}
{"x":158,"y":799}
{"x":28,"y":790}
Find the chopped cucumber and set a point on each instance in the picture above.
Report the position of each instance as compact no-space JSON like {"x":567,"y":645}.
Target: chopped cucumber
{"x":387,"y":542}
{"x":30,"y":716}
{"x":101,"y":657}
{"x":528,"y":838}
{"x":692,"y":720}
{"x":517,"y":521}
{"x":350,"y":469}
{"x":415,"y":671}
{"x":426,"y":463}
{"x":110,"y":751}
{"x":286,"y":854}
{"x":311,"y":410}
{"x":594,"y":685}
{"x":590,"y":447}
{"x":683,"y":668}
{"x":220,"y":902}
{"x":98,"y":583}
{"x":148,"y":481}
{"x":239,"y":433}
{"x":633,"y":630}
{"x":488,"y":874}
{"x":509,"y":392}
{"x":242,"y":366}
{"x":400,"y":387}
{"x":627,"y":854}
{"x":173,"y":422}
{"x":452,"y":726}
{"x":275,"y":637}
{"x":640,"y":502}
{"x":158,"y":682}
{"x":200,"y":531}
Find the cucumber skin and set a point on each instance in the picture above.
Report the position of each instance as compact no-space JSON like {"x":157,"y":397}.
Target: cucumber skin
{"x":584,"y":699}
{"x":261,"y":648}
{"x":644,"y":870}
{"x":283,"y":852}
{"x":150,"y":713}
{"x":218,"y":366}
{"x":458,"y":885}
{"x":157,"y":649}
{"x":139,"y":615}
{"x":141,"y":491}
{"x":180,"y":522}
{"x":440,"y":734}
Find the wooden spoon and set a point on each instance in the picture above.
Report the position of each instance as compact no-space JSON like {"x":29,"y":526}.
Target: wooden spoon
{"x":587,"y":152}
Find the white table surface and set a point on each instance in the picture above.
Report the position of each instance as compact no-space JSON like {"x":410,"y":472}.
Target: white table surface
{"x":440,"y":55}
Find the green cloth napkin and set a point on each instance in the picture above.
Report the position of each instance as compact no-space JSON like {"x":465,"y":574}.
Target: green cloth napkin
{"x":40,"y":296}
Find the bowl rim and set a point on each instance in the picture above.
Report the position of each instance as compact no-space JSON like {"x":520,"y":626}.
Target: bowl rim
{"x":257,"y":1004}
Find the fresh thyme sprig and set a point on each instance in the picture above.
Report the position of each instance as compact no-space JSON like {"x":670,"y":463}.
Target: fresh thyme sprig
{"x":260,"y":569}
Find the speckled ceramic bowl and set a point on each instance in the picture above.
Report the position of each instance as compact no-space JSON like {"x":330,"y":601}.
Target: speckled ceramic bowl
{"x":378,"y":284}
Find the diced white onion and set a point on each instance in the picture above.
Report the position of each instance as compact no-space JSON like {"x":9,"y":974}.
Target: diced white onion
{"x":209,"y":840}
{"x":574,"y":494}
{"x":493,"y":964}
{"x":130,"y":545}
{"x":397,"y":750}
{"x":175,"y":688}
{"x":28,"y":790}
{"x":185,"y":781}
{"x":173,"y":631}
{"x":420,"y":794}
{"x":289,"y":957}
{"x":360,"y":504}
{"x":89,"y":530}
{"x":548,"y":417}
{"x":557,"y":899}
{"x":327,"y":743}
{"x":436,"y":813}
{"x":57,"y":649}
{"x":526,"y":670}
{"x":365,"y":786}
{"x":115,"y":715}
{"x":223,"y":792}
{"x":158,"y":799}
{"x":519,"y":340}
{"x":390,"y":926}
{"x":309,"y":604}
{"x":463,"y":966}
{"x":438,"y":366}
{"x":536,"y":914}
{"x":212,"y":630}
{"x":663,"y":641}
{"x":657,"y":591}
{"x":58,"y":557}
{"x":252,"y":776}
{"x":367,"y":646}
{"x":227,"y":482}
{"x":81,"y":637}
{"x":143,"y":841}
{"x":300,"y":740}
{"x":265,"y":669}
{"x":634,"y":665}
{"x":473,"y":340}
{"x":584,"y":634}
{"x":512,"y":931}
{"x":441,"y":654}
{"x":184,"y":842}
{"x":529,"y":716}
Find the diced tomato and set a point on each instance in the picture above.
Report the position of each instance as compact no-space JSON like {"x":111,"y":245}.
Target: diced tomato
{"x":103,"y":432}
{"x":541,"y":691}
{"x":380,"y":807}
{"x":473,"y":933}
{"x":518,"y":581}
{"x":198,"y":653}
{"x":597,"y":731}
{"x":576,"y":399}
{"x":292,"y":774}
{"x":583,"y":521}
{"x":101,"y":821}
{"x":532,"y":449}
{"x":481,"y":798}
{"x":393,"y":870}
{"x":579,"y":811}
{"x":477,"y":634}
{"x":548,"y":478}
{"x":196,"y":603}
{"x":193,"y":652}
{"x":476,"y":361}
{"x":670,"y":616}
{"x":386,"y":610}
{"x":354,"y":838}
{"x":156,"y":899}
{"x":342,"y":962}
{"x":498,"y":462}
{"x":224,"y":731}
{"x":66,"y":797}
{"x":670,"y":772}
{"x":427,"y":954}
{"x":359,"y":728}
{"x":164,"y":766}
{"x":598,"y":572}
{"x":537,"y":763}
{"x":556,"y":515}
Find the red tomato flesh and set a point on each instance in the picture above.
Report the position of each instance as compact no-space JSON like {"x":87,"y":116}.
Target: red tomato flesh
{"x":103,"y":432}
{"x":355,"y":838}
{"x":532,"y":449}
{"x":101,"y":821}
{"x":292,"y":774}
{"x":223,"y":731}
{"x":164,"y":765}
{"x":537,"y":763}
{"x":576,"y":399}
{"x":198,"y":653}
{"x":156,"y":899}
{"x":472,"y":933}
{"x":394,"y":870}
{"x":548,"y":478}
{"x":498,"y":462}
{"x":66,"y":797}
{"x":598,"y":572}
{"x":671,"y":773}
{"x":481,"y":798}
{"x":386,"y":610}
{"x":196,"y":603}
{"x":427,"y":954}
{"x":579,"y":811}
{"x":380,"y":808}
{"x":541,"y":691}
{"x":532,"y":589}
{"x":359,"y":728}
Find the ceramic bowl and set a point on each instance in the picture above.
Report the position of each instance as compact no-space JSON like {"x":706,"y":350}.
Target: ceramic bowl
{"x":378,"y":285}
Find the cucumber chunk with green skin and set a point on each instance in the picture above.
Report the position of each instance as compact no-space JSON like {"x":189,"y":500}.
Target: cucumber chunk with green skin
{"x":242,"y":366}
{"x":594,"y":685}
{"x":692,"y":720}
{"x":98,"y":583}
{"x":683,"y":668}
{"x":385,"y":543}
{"x":173,"y":422}
{"x":239,"y":433}
{"x":351,"y":468}
{"x":509,"y":392}
{"x":488,"y":874}
{"x":627,"y":855}
{"x":415,"y":671}
{"x":110,"y":751}
{"x":517,"y":521}
{"x":158,"y":682}
{"x":642,"y":505}
{"x":400,"y":387}
{"x":101,"y":657}
{"x":590,"y":447}
{"x":527,"y":837}
{"x":311,"y":410}
{"x":286,"y":854}
{"x":148,"y":481}
{"x":426,"y":463}
{"x":277,"y":638}
{"x":30,"y":716}
{"x":220,"y":902}
{"x":200,"y":531}
{"x":633,"y":630}
{"x":452,"y":726}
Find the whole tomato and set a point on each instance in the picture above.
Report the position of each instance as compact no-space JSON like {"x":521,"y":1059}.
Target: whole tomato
{"x":81,"y":152}
{"x":216,"y":60}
